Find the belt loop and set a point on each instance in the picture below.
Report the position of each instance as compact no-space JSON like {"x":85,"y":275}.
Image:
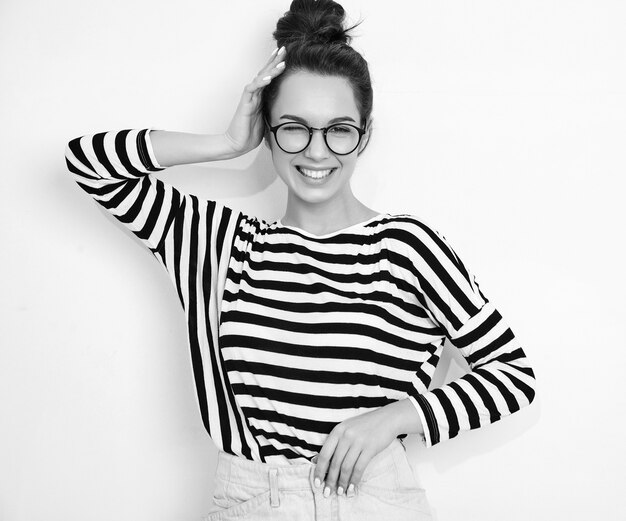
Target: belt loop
{"x":274,"y":499}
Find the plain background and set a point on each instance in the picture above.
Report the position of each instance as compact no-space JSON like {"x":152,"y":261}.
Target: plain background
{"x":501,"y":123}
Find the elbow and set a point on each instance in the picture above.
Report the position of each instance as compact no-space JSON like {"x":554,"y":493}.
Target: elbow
{"x":73,"y":148}
{"x":67,"y":154}
{"x":71,"y":160}
{"x":72,"y":152}
{"x":530,"y":387}
{"x":77,"y":162}
{"x":531,"y":396}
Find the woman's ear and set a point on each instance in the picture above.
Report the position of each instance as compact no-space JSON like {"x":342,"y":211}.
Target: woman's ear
{"x":366,"y":137}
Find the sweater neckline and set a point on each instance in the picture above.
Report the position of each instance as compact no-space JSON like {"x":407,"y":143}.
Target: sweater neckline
{"x":351,"y":228}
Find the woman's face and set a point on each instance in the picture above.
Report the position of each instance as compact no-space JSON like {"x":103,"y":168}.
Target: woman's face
{"x":316,"y":101}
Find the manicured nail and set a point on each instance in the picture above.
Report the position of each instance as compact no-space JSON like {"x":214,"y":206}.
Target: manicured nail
{"x":317,"y":482}
{"x":267,"y":78}
{"x":340,"y":491}
{"x":282,"y":50}
{"x":326,"y":492}
{"x":274,"y":52}
{"x":350,"y":491}
{"x":281,"y":65}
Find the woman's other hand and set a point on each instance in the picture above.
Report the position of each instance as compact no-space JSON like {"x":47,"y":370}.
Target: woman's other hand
{"x":353,"y":443}
{"x":246,"y":129}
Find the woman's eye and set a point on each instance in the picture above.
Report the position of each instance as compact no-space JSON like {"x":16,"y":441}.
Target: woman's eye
{"x":341,"y":130}
{"x":293,"y":128}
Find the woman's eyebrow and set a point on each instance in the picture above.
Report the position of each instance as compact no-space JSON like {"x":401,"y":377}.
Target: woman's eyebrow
{"x":302,"y":120}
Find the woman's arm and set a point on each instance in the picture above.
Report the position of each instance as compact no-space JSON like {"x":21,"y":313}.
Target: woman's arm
{"x":501,"y":380}
{"x":244,"y":133}
{"x":114,"y":167}
{"x":181,"y":148}
{"x":353,"y":443}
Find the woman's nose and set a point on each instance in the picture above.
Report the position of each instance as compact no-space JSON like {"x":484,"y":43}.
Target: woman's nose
{"x":317,"y":148}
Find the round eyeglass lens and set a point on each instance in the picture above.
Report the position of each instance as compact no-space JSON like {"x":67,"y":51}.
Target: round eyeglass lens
{"x":341,"y":139}
{"x":292,"y":137}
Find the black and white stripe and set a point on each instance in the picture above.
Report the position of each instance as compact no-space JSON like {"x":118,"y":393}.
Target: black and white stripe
{"x":291,"y":333}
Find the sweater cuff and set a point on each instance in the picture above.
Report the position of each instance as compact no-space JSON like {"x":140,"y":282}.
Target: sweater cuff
{"x":431,"y":434}
{"x":150,"y":151}
{"x":146,"y":152}
{"x":424,"y":436}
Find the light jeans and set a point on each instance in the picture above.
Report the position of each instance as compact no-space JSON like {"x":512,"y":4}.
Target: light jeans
{"x":249,"y":490}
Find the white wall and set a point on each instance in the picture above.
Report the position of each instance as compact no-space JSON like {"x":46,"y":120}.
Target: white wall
{"x":502,"y":123}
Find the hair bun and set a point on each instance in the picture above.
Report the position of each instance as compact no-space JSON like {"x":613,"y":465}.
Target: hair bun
{"x":314,"y":21}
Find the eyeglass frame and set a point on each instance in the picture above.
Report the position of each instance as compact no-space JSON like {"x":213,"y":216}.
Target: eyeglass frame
{"x":274,"y":129}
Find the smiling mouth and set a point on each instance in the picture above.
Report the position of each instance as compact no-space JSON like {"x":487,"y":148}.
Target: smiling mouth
{"x":315,"y":174}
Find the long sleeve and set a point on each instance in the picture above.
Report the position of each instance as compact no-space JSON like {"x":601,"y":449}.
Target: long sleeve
{"x":113,"y":168}
{"x":190,"y":236}
{"x":500,"y":381}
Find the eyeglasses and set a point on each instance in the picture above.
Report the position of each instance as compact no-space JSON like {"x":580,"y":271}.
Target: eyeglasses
{"x":340,"y":138}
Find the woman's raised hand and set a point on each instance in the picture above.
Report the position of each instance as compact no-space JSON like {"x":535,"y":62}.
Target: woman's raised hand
{"x":245,"y":131}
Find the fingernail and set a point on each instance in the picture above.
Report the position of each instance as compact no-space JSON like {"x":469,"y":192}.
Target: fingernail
{"x":274,"y":52}
{"x":282,"y":50}
{"x":318,"y":482}
{"x":326,"y":492}
{"x":267,"y":78}
{"x":350,"y":491}
{"x":340,"y":491}
{"x":280,"y":65}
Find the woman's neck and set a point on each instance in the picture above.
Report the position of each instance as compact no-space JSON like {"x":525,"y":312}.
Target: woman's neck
{"x":326,"y":217}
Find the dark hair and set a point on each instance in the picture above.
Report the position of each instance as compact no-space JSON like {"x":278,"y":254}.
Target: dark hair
{"x":312,"y":32}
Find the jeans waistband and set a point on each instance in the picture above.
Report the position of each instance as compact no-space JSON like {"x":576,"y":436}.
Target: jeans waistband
{"x":292,"y":477}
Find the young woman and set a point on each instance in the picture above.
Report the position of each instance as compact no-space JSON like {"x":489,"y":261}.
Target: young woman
{"x":313,"y":338}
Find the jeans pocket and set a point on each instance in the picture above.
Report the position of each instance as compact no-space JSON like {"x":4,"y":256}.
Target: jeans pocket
{"x":408,"y":487}
{"x":393,"y":493}
{"x":236,"y":501}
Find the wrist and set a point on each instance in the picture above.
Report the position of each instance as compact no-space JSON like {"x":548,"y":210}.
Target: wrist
{"x":221,"y":146}
{"x":403,"y":418}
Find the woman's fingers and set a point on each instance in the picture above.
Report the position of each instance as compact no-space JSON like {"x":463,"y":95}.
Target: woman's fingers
{"x":347,"y":470}
{"x":276,"y":57}
{"x":245,"y":131}
{"x":273,"y":68}
{"x":340,"y":464}
{"x":349,"y":449}
{"x":272,"y":63}
{"x":266,"y":75}
{"x":335,"y":466}
{"x":324,"y":459}
{"x":358,"y":468}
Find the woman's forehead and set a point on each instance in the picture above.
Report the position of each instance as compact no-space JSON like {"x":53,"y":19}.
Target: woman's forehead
{"x":315,"y":98}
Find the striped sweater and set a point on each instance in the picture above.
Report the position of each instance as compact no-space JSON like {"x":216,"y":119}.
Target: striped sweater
{"x":291,"y":333}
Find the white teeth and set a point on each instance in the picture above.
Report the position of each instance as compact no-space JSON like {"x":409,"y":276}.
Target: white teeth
{"x":315,"y":174}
